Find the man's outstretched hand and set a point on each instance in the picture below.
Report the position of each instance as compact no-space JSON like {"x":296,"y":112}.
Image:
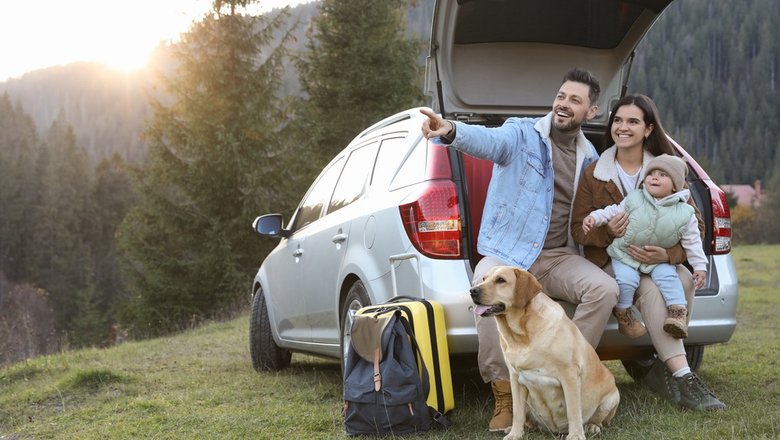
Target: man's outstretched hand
{"x":435,"y":125}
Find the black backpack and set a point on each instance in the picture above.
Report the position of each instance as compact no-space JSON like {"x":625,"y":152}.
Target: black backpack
{"x":383,"y":389}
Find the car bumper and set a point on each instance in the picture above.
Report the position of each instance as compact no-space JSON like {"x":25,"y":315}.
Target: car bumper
{"x":713,"y":318}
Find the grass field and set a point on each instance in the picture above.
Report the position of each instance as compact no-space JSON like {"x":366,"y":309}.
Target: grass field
{"x":201,"y":385}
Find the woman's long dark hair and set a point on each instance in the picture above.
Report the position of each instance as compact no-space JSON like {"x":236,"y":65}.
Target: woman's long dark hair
{"x":657,"y":142}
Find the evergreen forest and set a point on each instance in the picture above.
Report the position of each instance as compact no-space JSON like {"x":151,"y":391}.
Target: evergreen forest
{"x":126,"y":200}
{"x":713,"y":68}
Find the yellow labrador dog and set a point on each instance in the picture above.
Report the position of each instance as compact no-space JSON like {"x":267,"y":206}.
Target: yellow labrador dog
{"x":557,"y":378}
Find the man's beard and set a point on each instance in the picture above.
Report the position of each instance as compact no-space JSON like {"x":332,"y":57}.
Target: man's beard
{"x":572,"y":125}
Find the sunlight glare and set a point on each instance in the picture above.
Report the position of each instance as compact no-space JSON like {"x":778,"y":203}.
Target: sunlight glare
{"x":119,"y":33}
{"x":127,"y":36}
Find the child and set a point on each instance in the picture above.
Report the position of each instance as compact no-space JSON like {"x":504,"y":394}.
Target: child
{"x":659,"y":215}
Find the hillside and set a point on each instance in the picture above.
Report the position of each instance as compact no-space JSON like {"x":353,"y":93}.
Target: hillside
{"x":108,"y":109}
{"x":200,"y":384}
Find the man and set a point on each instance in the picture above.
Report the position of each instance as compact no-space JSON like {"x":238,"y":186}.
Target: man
{"x":525,"y":223}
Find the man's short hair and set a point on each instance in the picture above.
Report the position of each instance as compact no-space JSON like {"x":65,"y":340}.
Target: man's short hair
{"x":583,"y":76}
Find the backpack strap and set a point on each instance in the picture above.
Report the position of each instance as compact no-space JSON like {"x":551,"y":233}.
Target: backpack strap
{"x":441,"y":420}
{"x":377,"y":373}
{"x":417,"y":353}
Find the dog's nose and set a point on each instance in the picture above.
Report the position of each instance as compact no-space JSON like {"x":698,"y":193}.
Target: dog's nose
{"x":474,"y":292}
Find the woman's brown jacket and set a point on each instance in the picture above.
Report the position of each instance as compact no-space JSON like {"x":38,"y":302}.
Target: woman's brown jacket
{"x":599,"y":187}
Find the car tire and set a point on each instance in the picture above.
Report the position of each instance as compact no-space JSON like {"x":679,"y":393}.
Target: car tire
{"x":356,"y":298}
{"x":638,"y":369}
{"x":695,"y":355}
{"x":266,"y":355}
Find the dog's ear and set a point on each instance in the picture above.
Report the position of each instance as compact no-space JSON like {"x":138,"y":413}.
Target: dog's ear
{"x":526,"y":287}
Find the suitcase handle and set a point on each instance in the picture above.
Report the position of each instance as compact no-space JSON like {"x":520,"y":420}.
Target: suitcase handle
{"x":402,"y":298}
{"x":401,"y":257}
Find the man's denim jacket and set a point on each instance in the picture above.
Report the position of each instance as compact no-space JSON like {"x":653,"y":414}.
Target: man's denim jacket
{"x":520,"y":195}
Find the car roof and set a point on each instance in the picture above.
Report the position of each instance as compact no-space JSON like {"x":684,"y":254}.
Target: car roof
{"x":508,"y":57}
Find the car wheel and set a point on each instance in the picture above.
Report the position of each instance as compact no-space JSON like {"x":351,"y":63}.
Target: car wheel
{"x":266,"y":355}
{"x":638,"y":369}
{"x":355,"y":300}
{"x":695,"y":355}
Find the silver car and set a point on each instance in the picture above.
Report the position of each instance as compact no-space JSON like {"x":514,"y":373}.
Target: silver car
{"x":393,"y":199}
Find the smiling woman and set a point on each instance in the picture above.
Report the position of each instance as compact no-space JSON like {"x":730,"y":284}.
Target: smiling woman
{"x":121,"y":34}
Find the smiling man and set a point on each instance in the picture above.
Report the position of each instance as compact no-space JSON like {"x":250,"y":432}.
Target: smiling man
{"x":525,"y":223}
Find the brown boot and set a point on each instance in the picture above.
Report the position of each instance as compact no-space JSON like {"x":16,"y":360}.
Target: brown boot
{"x":676,"y":323}
{"x":627,"y":324}
{"x":502,"y":415}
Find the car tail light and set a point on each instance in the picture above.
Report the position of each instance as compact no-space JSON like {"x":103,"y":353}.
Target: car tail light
{"x":432,"y":221}
{"x":721,"y":223}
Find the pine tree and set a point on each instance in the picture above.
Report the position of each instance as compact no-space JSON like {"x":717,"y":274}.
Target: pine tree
{"x":113,"y":197}
{"x":88,"y":327}
{"x":214,"y":141}
{"x":62,"y":219}
{"x":358,"y":68}
{"x":19,"y":149}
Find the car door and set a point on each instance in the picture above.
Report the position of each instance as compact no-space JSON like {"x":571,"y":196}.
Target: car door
{"x":327,"y":243}
{"x":288,"y":291}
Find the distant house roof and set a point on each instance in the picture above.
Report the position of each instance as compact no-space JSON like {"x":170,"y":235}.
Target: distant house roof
{"x":746,"y":195}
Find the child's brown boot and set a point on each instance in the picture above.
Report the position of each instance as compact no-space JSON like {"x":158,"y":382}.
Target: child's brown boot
{"x":676,"y":323}
{"x":627,"y":324}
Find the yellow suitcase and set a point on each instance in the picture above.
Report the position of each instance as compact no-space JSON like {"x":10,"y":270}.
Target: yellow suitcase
{"x":427,"y":321}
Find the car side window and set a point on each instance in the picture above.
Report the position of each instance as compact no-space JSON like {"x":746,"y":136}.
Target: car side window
{"x":353,"y":179}
{"x":391,"y":152}
{"x":318,"y":196}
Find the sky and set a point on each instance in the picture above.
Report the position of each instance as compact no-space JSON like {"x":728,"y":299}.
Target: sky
{"x":122,"y":34}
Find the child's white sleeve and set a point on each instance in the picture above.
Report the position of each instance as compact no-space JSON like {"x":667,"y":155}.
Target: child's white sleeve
{"x":604,"y":215}
{"x":691,"y":242}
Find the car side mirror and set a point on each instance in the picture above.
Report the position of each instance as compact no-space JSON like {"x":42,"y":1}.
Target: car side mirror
{"x":270,"y":225}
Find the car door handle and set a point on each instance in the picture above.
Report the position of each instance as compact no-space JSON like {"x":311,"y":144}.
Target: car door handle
{"x":339,"y":238}
{"x":297,"y":252}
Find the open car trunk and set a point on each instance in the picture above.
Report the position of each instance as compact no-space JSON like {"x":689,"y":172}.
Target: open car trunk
{"x":490,"y":59}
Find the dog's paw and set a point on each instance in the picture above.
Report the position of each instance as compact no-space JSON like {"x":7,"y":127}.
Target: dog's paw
{"x":514,"y":435}
{"x":576,"y":436}
{"x":592,"y":428}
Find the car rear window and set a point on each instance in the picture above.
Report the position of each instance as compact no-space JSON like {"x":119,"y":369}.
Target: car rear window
{"x":598,"y":24}
{"x":413,"y":169}
{"x":391,"y":153}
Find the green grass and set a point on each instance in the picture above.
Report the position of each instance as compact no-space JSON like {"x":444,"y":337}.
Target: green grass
{"x":201,"y":384}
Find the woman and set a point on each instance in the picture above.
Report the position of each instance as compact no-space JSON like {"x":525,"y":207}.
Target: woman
{"x":638,"y":137}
